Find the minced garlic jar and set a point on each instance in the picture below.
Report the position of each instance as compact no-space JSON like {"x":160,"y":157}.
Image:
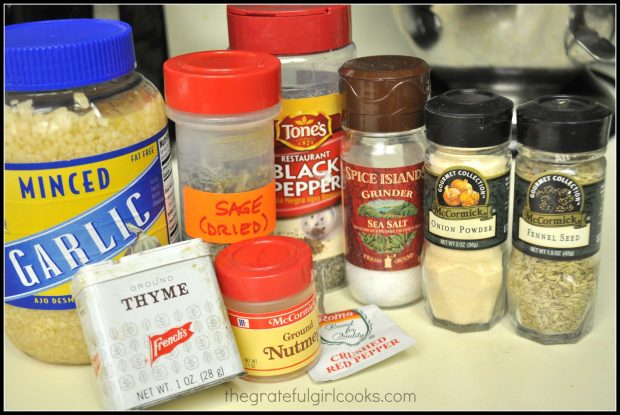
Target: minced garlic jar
{"x":87,"y":173}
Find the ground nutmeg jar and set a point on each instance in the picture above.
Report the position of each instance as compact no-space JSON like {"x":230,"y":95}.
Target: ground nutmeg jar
{"x":268,"y":288}
{"x":87,"y":176}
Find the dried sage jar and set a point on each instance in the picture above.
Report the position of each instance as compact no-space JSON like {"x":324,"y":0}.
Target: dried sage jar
{"x":558,"y":203}
{"x":223,"y":103}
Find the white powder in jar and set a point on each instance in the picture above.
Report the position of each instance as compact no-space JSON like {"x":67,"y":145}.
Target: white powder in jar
{"x":464,"y":287}
{"x":385,"y":289}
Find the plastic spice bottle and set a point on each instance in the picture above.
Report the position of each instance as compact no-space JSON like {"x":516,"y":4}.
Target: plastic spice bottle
{"x":383,"y":160}
{"x":87,"y":174}
{"x":466,"y":197}
{"x":312,"y":42}
{"x":268,"y":289}
{"x":224,"y":104}
{"x":558,"y":209}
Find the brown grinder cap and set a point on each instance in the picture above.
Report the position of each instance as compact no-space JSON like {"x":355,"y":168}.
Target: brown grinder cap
{"x":384,"y":94}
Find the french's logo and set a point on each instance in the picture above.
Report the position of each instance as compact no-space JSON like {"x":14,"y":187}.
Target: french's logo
{"x":304,"y":131}
{"x":162,"y":344}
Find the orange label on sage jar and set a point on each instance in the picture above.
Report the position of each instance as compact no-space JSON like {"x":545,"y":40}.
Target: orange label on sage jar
{"x":280,"y":342}
{"x":224,"y":218}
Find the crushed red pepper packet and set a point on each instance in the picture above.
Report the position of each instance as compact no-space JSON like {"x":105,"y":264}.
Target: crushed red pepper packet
{"x":355,"y":339}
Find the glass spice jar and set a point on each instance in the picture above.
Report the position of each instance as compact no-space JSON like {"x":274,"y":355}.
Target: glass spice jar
{"x":558,"y":203}
{"x":268,"y":288}
{"x":223,"y":104}
{"x":466,"y":194}
{"x":311,"y":41}
{"x":382,"y":162}
{"x":87,"y":175}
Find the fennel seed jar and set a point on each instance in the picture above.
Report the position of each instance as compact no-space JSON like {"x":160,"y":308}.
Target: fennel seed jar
{"x":558,"y":209}
{"x":87,"y":173}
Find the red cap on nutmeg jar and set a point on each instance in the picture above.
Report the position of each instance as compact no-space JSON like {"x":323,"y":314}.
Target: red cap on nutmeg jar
{"x":264,"y":269}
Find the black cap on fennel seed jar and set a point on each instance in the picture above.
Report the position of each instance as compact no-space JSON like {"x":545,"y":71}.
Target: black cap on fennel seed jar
{"x":470,"y":118}
{"x":384,"y":94}
{"x":563,"y":124}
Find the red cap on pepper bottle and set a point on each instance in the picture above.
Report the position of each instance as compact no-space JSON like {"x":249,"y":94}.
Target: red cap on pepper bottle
{"x":289,"y":29}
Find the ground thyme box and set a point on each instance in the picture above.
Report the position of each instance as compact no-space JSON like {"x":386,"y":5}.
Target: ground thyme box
{"x":155,"y":325}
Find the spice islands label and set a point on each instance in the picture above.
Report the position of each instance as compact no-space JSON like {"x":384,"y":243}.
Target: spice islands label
{"x":279,"y":342}
{"x":63,"y":215}
{"x":466,"y":210}
{"x":557,"y":218}
{"x":383,"y":216}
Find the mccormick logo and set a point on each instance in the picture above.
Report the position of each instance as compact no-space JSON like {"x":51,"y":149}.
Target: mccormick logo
{"x":163,"y":344}
{"x":304,"y":131}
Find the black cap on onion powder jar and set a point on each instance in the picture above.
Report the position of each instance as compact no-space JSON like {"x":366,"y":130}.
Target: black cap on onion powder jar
{"x":468,"y":118}
{"x":563,"y":124}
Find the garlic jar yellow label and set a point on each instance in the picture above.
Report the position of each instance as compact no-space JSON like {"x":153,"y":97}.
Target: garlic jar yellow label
{"x":62,"y":215}
{"x":278,"y":342}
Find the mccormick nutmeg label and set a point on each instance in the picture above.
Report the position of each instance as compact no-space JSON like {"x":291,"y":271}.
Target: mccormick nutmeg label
{"x":557,"y":218}
{"x":155,"y":326}
{"x":307,"y":165}
{"x":383,"y":216}
{"x":278,"y":342}
{"x":466,"y":210}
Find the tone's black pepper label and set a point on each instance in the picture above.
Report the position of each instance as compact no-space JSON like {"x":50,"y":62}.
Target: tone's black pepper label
{"x":383,"y":216}
{"x":557,"y":218}
{"x":465,"y":209}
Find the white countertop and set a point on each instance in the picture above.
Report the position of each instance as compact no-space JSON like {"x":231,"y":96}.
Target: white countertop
{"x":492,"y":370}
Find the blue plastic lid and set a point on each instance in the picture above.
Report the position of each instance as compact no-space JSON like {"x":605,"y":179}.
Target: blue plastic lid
{"x":60,"y":54}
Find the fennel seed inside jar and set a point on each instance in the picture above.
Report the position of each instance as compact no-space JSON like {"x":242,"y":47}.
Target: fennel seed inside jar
{"x":559,"y":184}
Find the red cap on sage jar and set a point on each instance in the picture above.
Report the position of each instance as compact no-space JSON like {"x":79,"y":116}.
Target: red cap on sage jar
{"x":222,"y":82}
{"x":264,"y":269}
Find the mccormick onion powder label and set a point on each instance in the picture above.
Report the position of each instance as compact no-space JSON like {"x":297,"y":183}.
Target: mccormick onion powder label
{"x":155,"y":332}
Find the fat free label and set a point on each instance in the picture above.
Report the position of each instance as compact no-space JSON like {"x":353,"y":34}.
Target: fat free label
{"x":465,"y":209}
{"x":383,"y":216}
{"x":557,"y":218}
